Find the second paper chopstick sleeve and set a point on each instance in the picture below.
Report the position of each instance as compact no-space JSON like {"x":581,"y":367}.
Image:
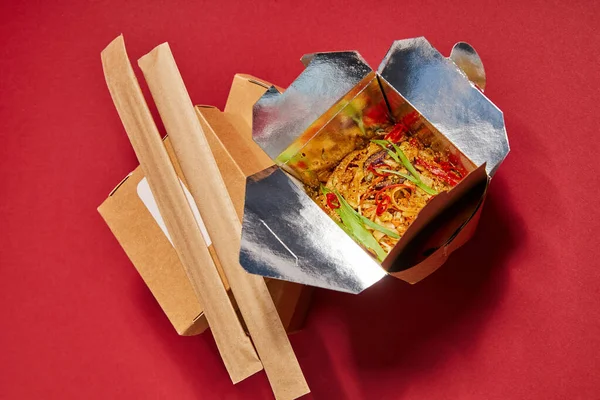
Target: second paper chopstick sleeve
{"x":234,"y":346}
{"x":218,"y":212}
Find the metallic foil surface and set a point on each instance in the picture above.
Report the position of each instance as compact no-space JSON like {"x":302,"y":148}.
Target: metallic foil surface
{"x":336,"y":102}
{"x":287,"y":236}
{"x":350,"y":125}
{"x":400,"y":109}
{"x":467,"y":59}
{"x":280,"y":118}
{"x":439,"y":91}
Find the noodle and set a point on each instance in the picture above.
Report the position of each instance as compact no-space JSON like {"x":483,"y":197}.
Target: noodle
{"x":390,"y":181}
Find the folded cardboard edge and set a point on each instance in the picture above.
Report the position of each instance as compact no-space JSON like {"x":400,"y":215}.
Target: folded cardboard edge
{"x":292,"y":299}
{"x":245,"y":89}
{"x":439,"y":257}
{"x":439,"y":228}
{"x":150,"y":251}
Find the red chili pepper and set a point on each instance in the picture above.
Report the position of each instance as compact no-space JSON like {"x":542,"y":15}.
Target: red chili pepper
{"x":437,"y":171}
{"x":378,"y":195}
{"x":455,"y":160}
{"x":301,"y":164}
{"x":332,"y":201}
{"x":455,"y":176}
{"x":396,"y":134}
{"x":445,"y":165}
{"x":372,"y":168}
{"x":378,"y":114}
{"x":410,"y":118}
{"x":383,"y":205}
{"x":452,"y":168}
{"x":452,"y":173}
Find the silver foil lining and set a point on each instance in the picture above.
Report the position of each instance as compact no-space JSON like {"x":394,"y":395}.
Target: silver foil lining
{"x":287,"y":236}
{"x":439,"y":90}
{"x":466,"y":58}
{"x":279,"y":118}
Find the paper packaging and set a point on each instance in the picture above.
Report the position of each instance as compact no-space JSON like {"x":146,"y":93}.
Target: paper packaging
{"x":229,"y":135}
{"x":338,"y":97}
{"x":236,"y":350}
{"x":210,"y":194}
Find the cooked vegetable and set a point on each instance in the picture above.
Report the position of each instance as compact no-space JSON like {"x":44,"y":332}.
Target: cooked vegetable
{"x":376,"y":192}
{"x":354,"y":225}
{"x":449,"y":177}
{"x":406,"y":163}
{"x":418,"y":182}
{"x":332,"y":201}
{"x":399,"y":156}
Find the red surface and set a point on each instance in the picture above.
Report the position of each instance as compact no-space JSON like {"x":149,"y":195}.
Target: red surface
{"x":513,"y":315}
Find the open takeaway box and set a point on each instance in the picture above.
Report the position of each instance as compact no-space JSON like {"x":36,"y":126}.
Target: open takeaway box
{"x":376,"y":173}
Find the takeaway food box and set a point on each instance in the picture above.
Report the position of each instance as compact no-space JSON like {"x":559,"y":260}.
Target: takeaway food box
{"x":377,"y":172}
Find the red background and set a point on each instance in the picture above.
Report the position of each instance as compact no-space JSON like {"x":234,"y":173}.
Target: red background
{"x":512,"y":315}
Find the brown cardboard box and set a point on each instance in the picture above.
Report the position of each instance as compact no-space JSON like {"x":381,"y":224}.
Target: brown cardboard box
{"x":127,"y":213}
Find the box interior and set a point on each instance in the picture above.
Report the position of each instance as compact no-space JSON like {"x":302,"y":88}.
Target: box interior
{"x":348,"y":125}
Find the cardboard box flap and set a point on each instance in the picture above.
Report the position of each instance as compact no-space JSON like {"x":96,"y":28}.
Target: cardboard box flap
{"x":245,"y":92}
{"x":443,"y":232}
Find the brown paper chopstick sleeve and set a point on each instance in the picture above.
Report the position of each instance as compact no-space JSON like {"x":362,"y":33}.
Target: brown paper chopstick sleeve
{"x":234,"y":346}
{"x":218,"y":212}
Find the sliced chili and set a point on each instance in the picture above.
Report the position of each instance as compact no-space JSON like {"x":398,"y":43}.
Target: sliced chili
{"x":451,"y":179}
{"x":454,"y":165}
{"x":378,"y":194}
{"x":455,"y":160}
{"x":302,"y":165}
{"x":378,"y":113}
{"x":410,"y":118}
{"x":397,"y":133}
{"x":332,"y":201}
{"x":374,"y":171}
{"x":383,"y":205}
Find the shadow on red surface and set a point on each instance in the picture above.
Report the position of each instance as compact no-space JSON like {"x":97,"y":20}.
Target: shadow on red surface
{"x":396,"y":333}
{"x":401,"y":333}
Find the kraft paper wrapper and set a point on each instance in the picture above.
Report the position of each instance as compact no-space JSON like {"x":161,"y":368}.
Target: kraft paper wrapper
{"x":234,"y":346}
{"x":219,"y":214}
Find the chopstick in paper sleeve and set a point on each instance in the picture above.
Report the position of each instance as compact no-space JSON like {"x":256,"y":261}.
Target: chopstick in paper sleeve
{"x":234,"y":345}
{"x":217,"y":210}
